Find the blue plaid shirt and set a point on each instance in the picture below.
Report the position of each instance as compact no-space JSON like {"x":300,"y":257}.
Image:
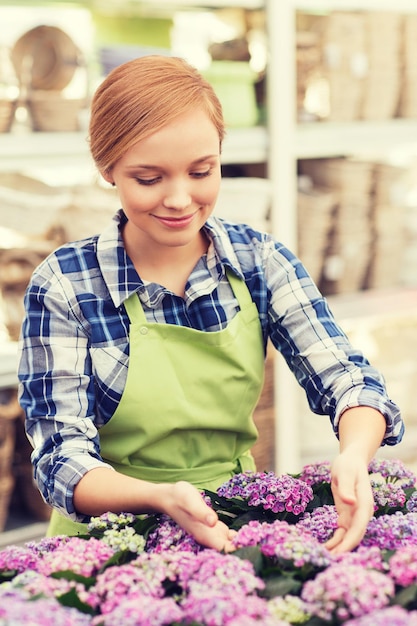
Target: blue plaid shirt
{"x":75,"y":347}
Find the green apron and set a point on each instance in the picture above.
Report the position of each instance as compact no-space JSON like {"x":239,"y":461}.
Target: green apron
{"x":186,"y":412}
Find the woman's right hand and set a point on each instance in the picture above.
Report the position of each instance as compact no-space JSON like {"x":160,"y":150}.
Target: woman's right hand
{"x":185,"y":504}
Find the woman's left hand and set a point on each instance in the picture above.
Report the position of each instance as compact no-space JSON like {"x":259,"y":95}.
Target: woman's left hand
{"x":354,"y":502}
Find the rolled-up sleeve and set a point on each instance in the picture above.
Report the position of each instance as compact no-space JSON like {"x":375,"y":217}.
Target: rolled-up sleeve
{"x":334,"y":374}
{"x":56,"y":390}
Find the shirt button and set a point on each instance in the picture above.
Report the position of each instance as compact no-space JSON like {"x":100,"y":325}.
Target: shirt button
{"x":143,"y":330}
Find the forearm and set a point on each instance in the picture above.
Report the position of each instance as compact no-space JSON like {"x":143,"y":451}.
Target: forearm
{"x":103,"y":489}
{"x":361,"y":431}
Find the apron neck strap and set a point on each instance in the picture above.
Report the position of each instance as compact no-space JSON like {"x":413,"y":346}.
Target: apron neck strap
{"x":136,"y":313}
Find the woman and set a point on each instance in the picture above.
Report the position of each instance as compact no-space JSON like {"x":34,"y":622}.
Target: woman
{"x":143,"y":347}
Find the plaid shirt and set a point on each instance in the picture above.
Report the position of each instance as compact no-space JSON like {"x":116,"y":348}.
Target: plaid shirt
{"x":75,"y":347}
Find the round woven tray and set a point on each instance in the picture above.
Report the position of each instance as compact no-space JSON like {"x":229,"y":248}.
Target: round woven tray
{"x":7,"y":112}
{"x":50,"y":111}
{"x":45,"y":57}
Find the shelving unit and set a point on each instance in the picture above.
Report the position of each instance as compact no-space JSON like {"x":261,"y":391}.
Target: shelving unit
{"x":290,"y":141}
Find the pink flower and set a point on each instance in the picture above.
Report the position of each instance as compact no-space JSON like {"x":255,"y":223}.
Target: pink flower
{"x":84,"y":557}
{"x":403,"y":566}
{"x":344,"y":591}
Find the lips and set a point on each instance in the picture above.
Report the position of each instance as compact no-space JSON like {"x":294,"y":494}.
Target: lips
{"x":176,"y":222}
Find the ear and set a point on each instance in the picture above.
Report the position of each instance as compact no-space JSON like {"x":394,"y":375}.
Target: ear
{"x":107,"y":175}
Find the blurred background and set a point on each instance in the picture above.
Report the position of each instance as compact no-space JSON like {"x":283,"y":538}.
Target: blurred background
{"x":320,"y":101}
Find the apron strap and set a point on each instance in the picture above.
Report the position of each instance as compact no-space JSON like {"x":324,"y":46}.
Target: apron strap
{"x":135,"y":310}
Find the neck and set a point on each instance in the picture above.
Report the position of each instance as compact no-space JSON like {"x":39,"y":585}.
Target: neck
{"x":167,"y":266}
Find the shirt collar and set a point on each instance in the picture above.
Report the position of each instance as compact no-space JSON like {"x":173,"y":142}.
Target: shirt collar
{"x":120,"y":275}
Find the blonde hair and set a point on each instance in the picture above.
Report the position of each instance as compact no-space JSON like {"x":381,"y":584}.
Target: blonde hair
{"x":139,"y":97}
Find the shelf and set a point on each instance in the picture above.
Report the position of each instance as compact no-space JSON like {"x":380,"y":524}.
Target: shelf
{"x":315,"y":6}
{"x":206,"y":4}
{"x":327,"y":139}
{"x":28,"y":150}
{"x":8,"y":364}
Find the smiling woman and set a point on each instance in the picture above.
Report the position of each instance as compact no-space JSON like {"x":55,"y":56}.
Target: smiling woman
{"x":168,"y":184}
{"x":143,"y":348}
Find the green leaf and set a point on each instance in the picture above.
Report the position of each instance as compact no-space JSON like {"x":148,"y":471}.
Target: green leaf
{"x":72,"y":600}
{"x":252,"y":554}
{"x":69,"y":575}
{"x":118,"y":558}
{"x":280,"y":586}
{"x":146,"y":524}
{"x":407,"y":597}
{"x":7,"y":575}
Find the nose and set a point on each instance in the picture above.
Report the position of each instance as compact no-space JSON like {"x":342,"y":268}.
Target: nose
{"x":177,"y":196}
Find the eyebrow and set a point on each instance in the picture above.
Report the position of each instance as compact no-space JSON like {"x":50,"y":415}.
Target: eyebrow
{"x":148,"y":166}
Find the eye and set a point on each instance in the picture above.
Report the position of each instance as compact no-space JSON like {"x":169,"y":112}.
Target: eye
{"x":148,"y":181}
{"x":201,"y":174}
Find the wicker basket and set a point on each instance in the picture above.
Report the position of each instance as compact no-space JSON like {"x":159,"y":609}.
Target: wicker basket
{"x":6,"y":490}
{"x":7,"y":112}
{"x":7,"y":439}
{"x":9,"y":412}
{"x":26,"y":493}
{"x":50,"y":111}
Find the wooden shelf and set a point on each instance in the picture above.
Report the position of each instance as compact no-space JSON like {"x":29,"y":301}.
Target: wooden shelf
{"x":326,"y":139}
{"x":315,"y":6}
{"x":28,"y":150}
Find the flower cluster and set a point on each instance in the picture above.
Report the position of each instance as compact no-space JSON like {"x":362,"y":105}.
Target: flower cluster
{"x":345,"y":591}
{"x":321,"y":522}
{"x":146,"y":571}
{"x":390,"y":532}
{"x":168,"y":535}
{"x":316,"y":473}
{"x":269,"y":491}
{"x":393,"y":470}
{"x":387,"y":495}
{"x":284,"y":542}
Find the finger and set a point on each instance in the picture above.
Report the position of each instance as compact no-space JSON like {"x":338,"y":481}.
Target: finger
{"x":193,"y":504}
{"x":337,"y":538}
{"x":348,"y":542}
{"x":344,"y":490}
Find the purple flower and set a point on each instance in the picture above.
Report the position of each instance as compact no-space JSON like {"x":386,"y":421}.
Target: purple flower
{"x":284,"y":542}
{"x":316,"y":473}
{"x":393,"y":470}
{"x":224,"y":573}
{"x":39,"y":612}
{"x":84,"y":557}
{"x":391,"y":531}
{"x":269,"y":491}
{"x":368,"y":557}
{"x":403,"y":566}
{"x":141,"y":610}
{"x":246,"y":620}
{"x":19,"y":558}
{"x":387,"y":495}
{"x":119,"y":583}
{"x":35,"y":584}
{"x":170,"y":536}
{"x":411,"y":504}
{"x":390,"y":616}
{"x":214,"y":608}
{"x":344,"y":591}
{"x":47,"y":544}
{"x":321,"y":522}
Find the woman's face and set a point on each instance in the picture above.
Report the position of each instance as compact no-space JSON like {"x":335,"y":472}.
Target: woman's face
{"x":168,"y":183}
